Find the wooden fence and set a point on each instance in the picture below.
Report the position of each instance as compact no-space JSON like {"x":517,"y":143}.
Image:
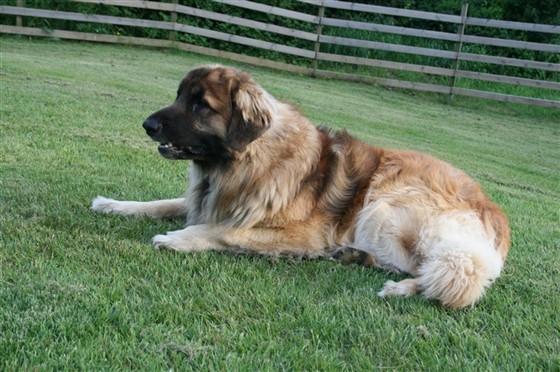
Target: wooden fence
{"x":318,"y":39}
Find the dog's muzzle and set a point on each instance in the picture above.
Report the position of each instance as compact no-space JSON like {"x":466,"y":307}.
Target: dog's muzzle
{"x":152,"y":127}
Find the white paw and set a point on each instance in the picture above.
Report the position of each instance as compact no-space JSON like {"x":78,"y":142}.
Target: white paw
{"x":162,"y":241}
{"x":185,"y":240}
{"x":104,"y":205}
{"x":388,"y":289}
{"x":405,"y":288}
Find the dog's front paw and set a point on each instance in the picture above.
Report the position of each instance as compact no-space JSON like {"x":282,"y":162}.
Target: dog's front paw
{"x":162,"y":241}
{"x":186,"y":240}
{"x":104,"y":205}
{"x":172,"y":240}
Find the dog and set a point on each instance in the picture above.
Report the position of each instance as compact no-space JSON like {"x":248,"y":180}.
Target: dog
{"x":265,"y":180}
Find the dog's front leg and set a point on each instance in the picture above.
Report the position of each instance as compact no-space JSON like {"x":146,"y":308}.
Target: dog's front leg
{"x":168,"y":208}
{"x":297,"y":241}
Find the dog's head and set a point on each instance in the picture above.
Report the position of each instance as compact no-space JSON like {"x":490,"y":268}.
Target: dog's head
{"x":218,"y":112}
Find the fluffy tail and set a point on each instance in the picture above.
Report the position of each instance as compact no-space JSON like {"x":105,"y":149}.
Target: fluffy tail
{"x":458,"y":277}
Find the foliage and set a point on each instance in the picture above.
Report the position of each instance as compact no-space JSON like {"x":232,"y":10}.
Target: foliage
{"x":535,"y":11}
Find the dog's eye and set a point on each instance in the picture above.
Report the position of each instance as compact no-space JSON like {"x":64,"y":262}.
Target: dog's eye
{"x":201,"y":107}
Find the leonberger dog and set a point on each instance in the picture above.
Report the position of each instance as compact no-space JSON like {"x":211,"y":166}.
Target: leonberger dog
{"x":265,"y":180}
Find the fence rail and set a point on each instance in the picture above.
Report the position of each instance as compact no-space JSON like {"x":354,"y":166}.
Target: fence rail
{"x":317,"y":38}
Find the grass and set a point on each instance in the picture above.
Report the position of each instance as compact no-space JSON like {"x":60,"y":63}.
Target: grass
{"x":79,"y":290}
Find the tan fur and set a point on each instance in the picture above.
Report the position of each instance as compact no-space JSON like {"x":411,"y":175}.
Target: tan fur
{"x":298,"y":190}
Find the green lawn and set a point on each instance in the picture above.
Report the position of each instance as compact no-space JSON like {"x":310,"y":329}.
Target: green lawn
{"x":80,"y":290}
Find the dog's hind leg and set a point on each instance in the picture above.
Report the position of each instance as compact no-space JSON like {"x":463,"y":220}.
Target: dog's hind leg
{"x":349,"y":255}
{"x":456,"y":260}
{"x":168,"y":208}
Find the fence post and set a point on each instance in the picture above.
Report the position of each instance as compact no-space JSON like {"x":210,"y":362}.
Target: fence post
{"x":19,"y":21}
{"x":318,"y":42}
{"x":173,"y":33}
{"x":458,"y":45}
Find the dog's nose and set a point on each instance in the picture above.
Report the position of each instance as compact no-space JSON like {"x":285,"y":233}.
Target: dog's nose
{"x":152,"y":126}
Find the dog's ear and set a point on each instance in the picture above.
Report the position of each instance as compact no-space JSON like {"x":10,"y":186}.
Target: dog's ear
{"x":252,"y":111}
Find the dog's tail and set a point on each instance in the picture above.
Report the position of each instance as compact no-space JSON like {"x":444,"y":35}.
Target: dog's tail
{"x":457,"y":278}
{"x":460,"y":264}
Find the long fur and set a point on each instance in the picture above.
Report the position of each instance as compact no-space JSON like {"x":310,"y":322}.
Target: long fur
{"x":265,"y":180}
